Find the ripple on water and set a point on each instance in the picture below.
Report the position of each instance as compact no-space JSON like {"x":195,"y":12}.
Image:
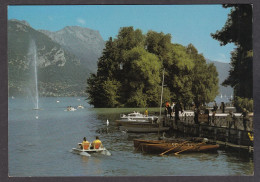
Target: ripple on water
{"x":42,"y":147}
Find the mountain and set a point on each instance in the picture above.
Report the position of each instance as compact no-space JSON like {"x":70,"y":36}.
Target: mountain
{"x":86,"y":44}
{"x":223,"y":72}
{"x":60,"y":73}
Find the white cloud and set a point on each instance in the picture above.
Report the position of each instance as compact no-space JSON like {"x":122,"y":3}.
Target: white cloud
{"x":81,"y":21}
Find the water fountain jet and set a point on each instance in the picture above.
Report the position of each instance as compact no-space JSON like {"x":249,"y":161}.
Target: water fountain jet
{"x":33,"y":50}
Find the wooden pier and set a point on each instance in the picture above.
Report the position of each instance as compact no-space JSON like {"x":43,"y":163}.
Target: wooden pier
{"x":219,"y":130}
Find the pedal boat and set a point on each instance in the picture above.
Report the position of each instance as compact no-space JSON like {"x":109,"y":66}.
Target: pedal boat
{"x":87,"y":151}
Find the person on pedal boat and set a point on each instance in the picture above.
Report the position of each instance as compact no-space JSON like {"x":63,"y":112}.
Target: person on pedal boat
{"x":96,"y":143}
{"x":85,"y":144}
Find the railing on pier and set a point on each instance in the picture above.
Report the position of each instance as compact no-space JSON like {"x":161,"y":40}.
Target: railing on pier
{"x":219,"y":120}
{"x":217,"y":128}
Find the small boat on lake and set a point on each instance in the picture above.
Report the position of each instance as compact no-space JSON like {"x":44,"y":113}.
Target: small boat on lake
{"x":171,"y":146}
{"x":135,"y":117}
{"x":70,"y":108}
{"x":87,"y":151}
{"x":80,"y":107}
{"x":128,"y":121}
{"x":138,"y":116}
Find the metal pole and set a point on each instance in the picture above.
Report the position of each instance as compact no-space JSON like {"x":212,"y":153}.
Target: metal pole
{"x":162,"y":94}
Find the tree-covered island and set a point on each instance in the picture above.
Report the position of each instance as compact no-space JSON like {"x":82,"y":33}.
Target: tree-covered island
{"x":130,"y":69}
{"x":130,"y":72}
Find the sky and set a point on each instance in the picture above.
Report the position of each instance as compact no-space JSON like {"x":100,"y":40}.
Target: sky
{"x":186,"y":23}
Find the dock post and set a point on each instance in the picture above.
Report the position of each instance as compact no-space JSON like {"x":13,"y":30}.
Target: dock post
{"x":239,"y":137}
{"x":227,"y":135}
{"x":215,"y":133}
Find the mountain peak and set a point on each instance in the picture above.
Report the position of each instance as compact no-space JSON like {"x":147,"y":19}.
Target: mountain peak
{"x":85,"y":43}
{"x":21,"y":21}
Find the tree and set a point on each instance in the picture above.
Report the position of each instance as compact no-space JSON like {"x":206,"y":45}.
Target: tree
{"x":108,"y":64}
{"x":94,"y":91}
{"x":141,"y":76}
{"x":130,"y":71}
{"x":179,"y":67}
{"x":204,"y":78}
{"x":238,"y":29}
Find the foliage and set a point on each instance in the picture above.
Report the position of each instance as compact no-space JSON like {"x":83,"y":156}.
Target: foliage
{"x":178,"y":74}
{"x":243,"y":103}
{"x":130,"y":71}
{"x":204,"y":78}
{"x":238,"y":29}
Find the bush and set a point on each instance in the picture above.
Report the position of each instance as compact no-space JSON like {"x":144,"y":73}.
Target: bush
{"x":241,"y":103}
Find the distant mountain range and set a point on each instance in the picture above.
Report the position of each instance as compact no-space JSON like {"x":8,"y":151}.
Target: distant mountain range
{"x":62,"y":70}
{"x":65,"y":59}
{"x":223,"y":72}
{"x":84,"y":43}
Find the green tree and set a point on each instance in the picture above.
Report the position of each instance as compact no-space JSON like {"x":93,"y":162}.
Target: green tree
{"x":238,"y":30}
{"x":130,"y":71}
{"x":158,"y":43}
{"x":94,"y":91}
{"x":204,"y":78}
{"x":110,"y":93}
{"x":107,"y":63}
{"x":178,"y":70}
{"x":141,"y":74}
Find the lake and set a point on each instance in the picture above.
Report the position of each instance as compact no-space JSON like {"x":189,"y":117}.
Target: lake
{"x":40,"y":143}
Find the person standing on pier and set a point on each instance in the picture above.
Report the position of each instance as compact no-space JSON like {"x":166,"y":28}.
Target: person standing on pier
{"x":245,"y":118}
{"x":215,"y":107}
{"x":167,"y":104}
{"x":222,"y":107}
{"x":214,"y":111}
{"x":169,"y":111}
{"x":196,"y":115}
{"x":146,"y":112}
{"x":177,"y":109}
{"x":231,"y":120}
{"x":165,"y":111}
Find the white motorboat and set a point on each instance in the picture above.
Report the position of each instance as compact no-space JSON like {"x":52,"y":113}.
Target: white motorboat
{"x":138,"y":116}
{"x":130,"y":121}
{"x":80,"y":107}
{"x":134,"y":118}
{"x":87,"y":152}
{"x":69,"y":108}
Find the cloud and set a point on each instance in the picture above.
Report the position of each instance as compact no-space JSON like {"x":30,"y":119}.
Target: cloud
{"x":81,"y":21}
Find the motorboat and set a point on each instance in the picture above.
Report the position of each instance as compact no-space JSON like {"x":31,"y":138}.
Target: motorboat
{"x":124,"y":121}
{"x":70,"y":108}
{"x":80,"y":107}
{"x":135,"y":117}
{"x":88,"y":151}
{"x":138,"y":116}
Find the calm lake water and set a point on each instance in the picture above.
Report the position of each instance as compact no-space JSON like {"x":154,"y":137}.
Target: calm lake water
{"x":42,"y":147}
